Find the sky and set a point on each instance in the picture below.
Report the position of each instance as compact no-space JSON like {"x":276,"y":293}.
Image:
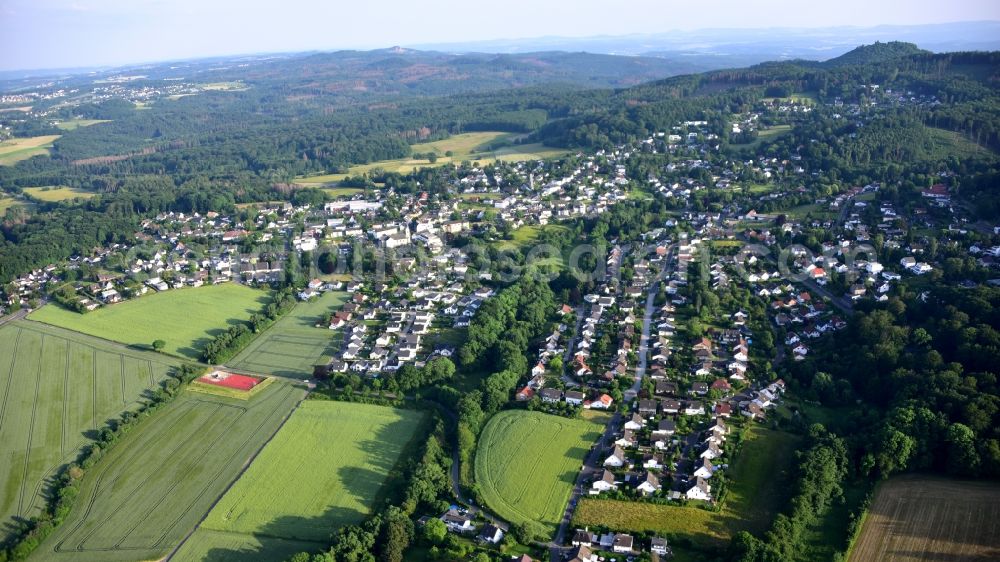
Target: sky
{"x":37,"y":34}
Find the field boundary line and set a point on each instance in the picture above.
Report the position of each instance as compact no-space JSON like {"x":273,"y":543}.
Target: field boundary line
{"x":10,"y":376}
{"x":236,"y":452}
{"x":170,"y":490}
{"x":65,"y":402}
{"x":100,"y":474}
{"x":121,"y":360}
{"x":233,"y":482}
{"x":31,"y":428}
{"x":39,"y":326}
{"x":93,"y":418}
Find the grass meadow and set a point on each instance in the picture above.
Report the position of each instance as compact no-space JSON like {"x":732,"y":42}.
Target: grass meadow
{"x":527,"y":462}
{"x":56,"y":194}
{"x":57,"y":389}
{"x":8,"y":202}
{"x":324,"y":470}
{"x":13,"y":151}
{"x":293,"y":345}
{"x":186,"y":319}
{"x":754,"y":498}
{"x":151,"y":489}
{"x":73,"y":124}
{"x":474,"y":147}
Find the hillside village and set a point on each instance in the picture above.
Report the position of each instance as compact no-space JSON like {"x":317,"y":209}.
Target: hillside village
{"x":697,"y":373}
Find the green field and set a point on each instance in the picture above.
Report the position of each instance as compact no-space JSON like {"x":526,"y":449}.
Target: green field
{"x":343,"y":191}
{"x":949,"y":143}
{"x":161,"y":478}
{"x":765,"y":135}
{"x":8,"y":202}
{"x":186,"y":319}
{"x":526,"y":235}
{"x":13,"y":151}
{"x":58,"y":193}
{"x":73,"y":124}
{"x":755,"y":496}
{"x":207,"y":545}
{"x":57,"y":388}
{"x":294,"y":344}
{"x":474,"y":147}
{"x":325,"y":469}
{"x":527,"y":462}
{"x":803,"y":98}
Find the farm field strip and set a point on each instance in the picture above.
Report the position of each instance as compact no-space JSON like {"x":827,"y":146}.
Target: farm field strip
{"x":209,"y":545}
{"x":341,"y":455}
{"x":293,"y":344}
{"x":58,"y":193}
{"x":185,"y":318}
{"x":15,"y":150}
{"x":915,"y":518}
{"x":158,"y":482}
{"x":54,"y":387}
{"x":527,"y":462}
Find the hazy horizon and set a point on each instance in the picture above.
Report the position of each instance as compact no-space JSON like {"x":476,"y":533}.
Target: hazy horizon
{"x":62,"y":34}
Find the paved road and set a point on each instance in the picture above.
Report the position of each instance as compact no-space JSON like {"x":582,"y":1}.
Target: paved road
{"x":568,"y":356}
{"x":455,"y":478}
{"x":647,"y":319}
{"x":19,"y":315}
{"x":591,"y":468}
{"x":841,"y":302}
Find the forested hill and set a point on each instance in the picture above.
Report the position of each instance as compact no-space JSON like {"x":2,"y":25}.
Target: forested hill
{"x":964,"y":83}
{"x":875,"y":53}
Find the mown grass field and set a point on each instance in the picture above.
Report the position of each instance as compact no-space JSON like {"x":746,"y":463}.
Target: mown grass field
{"x":73,"y":124}
{"x":949,"y":143}
{"x":527,"y":462}
{"x":755,"y":496}
{"x":56,"y":389}
{"x":925,"y":518}
{"x":293,"y":345}
{"x":206,"y":545}
{"x":186,"y":319}
{"x":325,"y":469}
{"x":525,"y":236}
{"x":8,"y":202}
{"x":58,"y":193}
{"x":161,"y":478}
{"x":765,"y":135}
{"x":473,"y":147}
{"x":13,"y":151}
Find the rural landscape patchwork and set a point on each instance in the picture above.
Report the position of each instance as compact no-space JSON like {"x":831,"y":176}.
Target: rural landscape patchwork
{"x":728,"y":293}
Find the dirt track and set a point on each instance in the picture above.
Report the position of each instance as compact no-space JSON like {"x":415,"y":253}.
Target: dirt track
{"x":920,"y":518}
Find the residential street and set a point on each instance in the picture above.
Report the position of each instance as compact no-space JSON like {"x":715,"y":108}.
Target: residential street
{"x":591,"y":467}
{"x":570,"y":348}
{"x":640,"y":370}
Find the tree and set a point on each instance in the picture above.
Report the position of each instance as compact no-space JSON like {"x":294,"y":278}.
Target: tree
{"x":435,"y":531}
{"x":528,"y":532}
{"x":396,"y":535}
{"x":963,"y":459}
{"x":158,"y":345}
{"x":556,"y":364}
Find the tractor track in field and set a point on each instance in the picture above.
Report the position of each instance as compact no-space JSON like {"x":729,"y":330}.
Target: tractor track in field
{"x":31,"y":428}
{"x":232,"y":483}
